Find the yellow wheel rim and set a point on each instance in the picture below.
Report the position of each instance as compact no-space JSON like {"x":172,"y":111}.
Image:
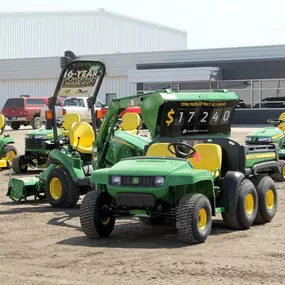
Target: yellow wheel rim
{"x":283,"y":172}
{"x":107,"y":219}
{"x":249,"y":204}
{"x":270,"y":199}
{"x":202,"y":218}
{"x":10,"y":156}
{"x":55,"y":188}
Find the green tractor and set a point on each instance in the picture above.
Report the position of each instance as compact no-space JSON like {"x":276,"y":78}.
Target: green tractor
{"x":273,"y":134}
{"x":67,"y":175}
{"x":39,"y":143}
{"x":7,"y":150}
{"x":189,"y":172}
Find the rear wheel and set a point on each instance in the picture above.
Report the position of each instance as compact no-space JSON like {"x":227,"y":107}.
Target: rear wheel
{"x":96,"y":218}
{"x":61,"y":191}
{"x":15,"y":126}
{"x":247,"y":204}
{"x":194,"y":218}
{"x":36,"y":123}
{"x":267,"y":199}
{"x":19,"y":164}
{"x":9,"y":152}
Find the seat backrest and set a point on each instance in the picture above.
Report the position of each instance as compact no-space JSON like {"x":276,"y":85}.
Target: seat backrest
{"x":282,"y":125}
{"x":85,"y":132}
{"x":160,"y":149}
{"x":69,"y":119}
{"x":2,"y":122}
{"x":210,"y":157}
{"x":131,"y":121}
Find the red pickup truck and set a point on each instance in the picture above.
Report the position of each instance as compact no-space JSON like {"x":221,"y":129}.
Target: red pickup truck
{"x":24,"y":111}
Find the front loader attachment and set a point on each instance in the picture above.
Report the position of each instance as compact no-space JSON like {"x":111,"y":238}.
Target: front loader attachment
{"x":21,"y":188}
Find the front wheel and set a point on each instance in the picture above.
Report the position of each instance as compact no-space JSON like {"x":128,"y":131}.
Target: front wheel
{"x":96,"y":219}
{"x":247,"y":204}
{"x":19,"y":164}
{"x":194,"y":218}
{"x":9,"y":152}
{"x":61,"y":191}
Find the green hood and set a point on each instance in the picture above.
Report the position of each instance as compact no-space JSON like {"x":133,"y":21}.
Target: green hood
{"x":175,"y":171}
{"x":43,"y":132}
{"x":265,"y":135}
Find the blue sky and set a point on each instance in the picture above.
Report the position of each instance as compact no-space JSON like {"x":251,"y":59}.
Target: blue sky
{"x":210,"y":24}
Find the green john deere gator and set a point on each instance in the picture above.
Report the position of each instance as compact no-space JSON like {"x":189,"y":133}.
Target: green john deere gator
{"x":70,"y":165}
{"x":272,"y":134}
{"x":189,"y":172}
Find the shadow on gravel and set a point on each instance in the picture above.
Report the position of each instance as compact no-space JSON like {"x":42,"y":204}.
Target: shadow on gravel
{"x":131,"y":233}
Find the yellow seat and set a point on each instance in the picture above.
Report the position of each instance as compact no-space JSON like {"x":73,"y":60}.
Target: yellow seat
{"x":131,"y":123}
{"x":68,"y":121}
{"x":160,"y":149}
{"x":2,"y":123}
{"x":83,"y":132}
{"x":282,"y":125}
{"x":210,"y":158}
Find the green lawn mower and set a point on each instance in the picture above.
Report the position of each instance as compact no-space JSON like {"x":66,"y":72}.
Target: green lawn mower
{"x":69,"y":166}
{"x":7,"y":150}
{"x":190,"y":171}
{"x":273,"y":134}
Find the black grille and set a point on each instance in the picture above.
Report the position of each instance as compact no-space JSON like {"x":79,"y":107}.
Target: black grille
{"x":34,"y":143}
{"x":144,"y":181}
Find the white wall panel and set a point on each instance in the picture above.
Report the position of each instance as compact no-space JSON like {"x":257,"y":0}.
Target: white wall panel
{"x":42,"y":34}
{"x":45,"y":87}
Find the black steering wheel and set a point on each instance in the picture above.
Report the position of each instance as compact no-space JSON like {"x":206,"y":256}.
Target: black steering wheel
{"x":275,"y":122}
{"x":182,"y":150}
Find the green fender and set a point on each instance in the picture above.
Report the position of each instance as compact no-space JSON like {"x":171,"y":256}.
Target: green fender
{"x":5,"y":141}
{"x":72,"y":164}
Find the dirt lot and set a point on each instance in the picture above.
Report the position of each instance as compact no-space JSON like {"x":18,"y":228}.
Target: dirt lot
{"x":41,"y":245}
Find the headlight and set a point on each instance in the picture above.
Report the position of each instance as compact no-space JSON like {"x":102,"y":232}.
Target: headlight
{"x":247,"y":139}
{"x":116,"y":180}
{"x":159,"y":181}
{"x":39,"y":137}
{"x":27,"y":136}
{"x":265,"y":139}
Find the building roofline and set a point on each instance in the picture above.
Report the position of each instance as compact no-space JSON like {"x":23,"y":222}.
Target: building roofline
{"x":92,"y":12}
{"x":228,"y":50}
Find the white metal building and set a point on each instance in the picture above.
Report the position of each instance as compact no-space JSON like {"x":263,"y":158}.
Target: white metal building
{"x":44,"y":34}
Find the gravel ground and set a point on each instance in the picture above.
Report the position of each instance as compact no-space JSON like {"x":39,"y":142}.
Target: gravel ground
{"x":42,"y":245}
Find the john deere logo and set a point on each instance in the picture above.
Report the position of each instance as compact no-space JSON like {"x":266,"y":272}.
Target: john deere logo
{"x":136,"y":180}
{"x":67,"y":91}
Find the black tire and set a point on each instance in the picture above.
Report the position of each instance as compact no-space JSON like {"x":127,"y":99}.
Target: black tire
{"x":69,"y":192}
{"x":267,"y":199}
{"x":152,"y":221}
{"x":188,"y":215}
{"x":19,"y":164}
{"x":15,"y":126}
{"x":280,"y":177}
{"x":92,"y":216}
{"x":242,"y":219}
{"x":36,"y":123}
{"x":7,"y":151}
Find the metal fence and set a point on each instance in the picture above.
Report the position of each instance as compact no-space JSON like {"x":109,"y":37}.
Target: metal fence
{"x":263,"y":93}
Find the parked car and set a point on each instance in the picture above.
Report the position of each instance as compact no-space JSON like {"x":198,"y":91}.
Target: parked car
{"x":58,"y":110}
{"x":271,"y":102}
{"x":24,"y":110}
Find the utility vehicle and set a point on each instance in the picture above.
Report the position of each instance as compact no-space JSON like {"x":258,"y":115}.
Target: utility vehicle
{"x":68,"y":173}
{"x":190,"y":171}
{"x":272,"y":134}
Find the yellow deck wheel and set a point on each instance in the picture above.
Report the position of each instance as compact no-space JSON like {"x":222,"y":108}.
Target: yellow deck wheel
{"x":270,"y":199}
